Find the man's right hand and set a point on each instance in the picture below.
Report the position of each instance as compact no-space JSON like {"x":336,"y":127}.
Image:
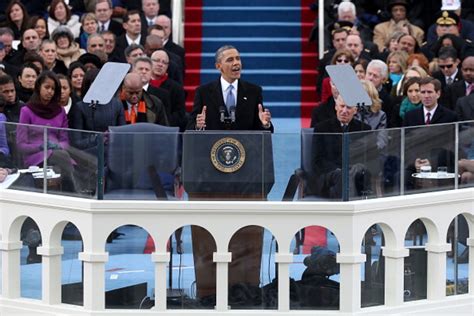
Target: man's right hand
{"x":201,"y":119}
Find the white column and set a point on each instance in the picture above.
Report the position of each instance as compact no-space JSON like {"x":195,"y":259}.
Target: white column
{"x":222,"y":260}
{"x":51,"y":285}
{"x":10,"y":268}
{"x":349,"y":293}
{"x":94,"y":279}
{"x":284,"y":260}
{"x":161,"y":259}
{"x":470,"y":244}
{"x":436,"y":270}
{"x":394,"y":275}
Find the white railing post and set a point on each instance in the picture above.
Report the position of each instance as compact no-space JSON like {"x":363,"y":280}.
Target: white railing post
{"x":470,"y":244}
{"x":178,"y":21}
{"x":394,"y":275}
{"x":11,"y":268}
{"x":284,"y":260}
{"x":222,"y":260}
{"x":94,"y":279}
{"x":51,"y":285}
{"x":436,"y":270}
{"x":350,"y":292}
{"x":161,"y":259}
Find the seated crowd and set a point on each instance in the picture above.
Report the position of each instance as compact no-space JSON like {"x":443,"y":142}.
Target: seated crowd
{"x":50,"y":54}
{"x":417,"y":71}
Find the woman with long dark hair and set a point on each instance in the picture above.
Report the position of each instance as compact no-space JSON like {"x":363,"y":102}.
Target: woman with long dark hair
{"x":16,"y":18}
{"x":44,"y":109}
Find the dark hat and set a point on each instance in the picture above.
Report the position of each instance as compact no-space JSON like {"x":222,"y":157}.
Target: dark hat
{"x":393,"y":3}
{"x":447,"y":18}
{"x":62,"y":31}
{"x":346,"y":25}
{"x":90,"y":58}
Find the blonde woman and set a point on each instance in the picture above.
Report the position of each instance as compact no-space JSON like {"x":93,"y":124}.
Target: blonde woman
{"x":373,"y":116}
{"x":397,"y":64}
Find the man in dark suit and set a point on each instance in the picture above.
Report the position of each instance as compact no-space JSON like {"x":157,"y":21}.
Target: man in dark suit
{"x":431,"y":112}
{"x":463,"y":87}
{"x":221,"y":98}
{"x":165,"y":23}
{"x":448,"y":63}
{"x":103,"y":12}
{"x":465,"y":108}
{"x":132,"y":26}
{"x":327,"y":153}
{"x":150,"y":9}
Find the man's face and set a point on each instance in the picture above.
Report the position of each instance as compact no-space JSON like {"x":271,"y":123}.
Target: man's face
{"x":446,"y":29}
{"x":165,"y":23}
{"x":339,"y":40}
{"x":103,"y":12}
{"x":133,"y":91}
{"x":7,"y":40}
{"x":134,"y":25}
{"x":347,"y":16}
{"x":134,"y":54}
{"x":429,"y":97}
{"x":144,"y":70}
{"x":407,"y":44}
{"x":31,"y":41}
{"x":374,"y":75}
{"x":343,"y":112}
{"x":354,"y":44}
{"x":160,"y":62}
{"x":8,"y":92}
{"x":95,"y":43}
{"x":448,"y":66}
{"x":398,"y":13}
{"x":160,"y":33}
{"x":230,"y":65}
{"x":109,"y":41}
{"x":150,"y":8}
{"x":468,"y":69}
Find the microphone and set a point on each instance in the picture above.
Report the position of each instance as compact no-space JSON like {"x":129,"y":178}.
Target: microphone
{"x":222,"y":113}
{"x":232,"y":113}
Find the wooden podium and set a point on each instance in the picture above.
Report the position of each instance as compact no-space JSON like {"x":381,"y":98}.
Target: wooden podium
{"x":208,"y":176}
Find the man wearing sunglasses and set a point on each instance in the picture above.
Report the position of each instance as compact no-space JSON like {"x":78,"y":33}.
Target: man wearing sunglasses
{"x":448,"y":63}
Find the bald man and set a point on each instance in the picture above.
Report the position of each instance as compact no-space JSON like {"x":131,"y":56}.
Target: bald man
{"x":139,"y":106}
{"x":165,"y":23}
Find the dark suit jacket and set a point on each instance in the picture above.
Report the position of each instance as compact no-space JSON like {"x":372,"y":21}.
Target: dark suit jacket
{"x":116,"y":28}
{"x":122,"y":44}
{"x":442,"y":115}
{"x":465,"y":108}
{"x":175,"y":110}
{"x":249,"y":96}
{"x":439,"y":75}
{"x":453,"y":93}
{"x":178,"y":100}
{"x":170,"y":46}
{"x":323,"y":112}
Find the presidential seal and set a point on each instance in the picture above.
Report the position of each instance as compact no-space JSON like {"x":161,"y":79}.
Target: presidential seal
{"x":228,"y":155}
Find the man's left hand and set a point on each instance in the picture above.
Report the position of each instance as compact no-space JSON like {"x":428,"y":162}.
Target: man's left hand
{"x":265,"y":116}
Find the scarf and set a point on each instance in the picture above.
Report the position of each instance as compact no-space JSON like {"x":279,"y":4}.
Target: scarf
{"x":406,"y":106}
{"x":45,"y":111}
{"x":132,"y":117}
{"x":159,"y":81}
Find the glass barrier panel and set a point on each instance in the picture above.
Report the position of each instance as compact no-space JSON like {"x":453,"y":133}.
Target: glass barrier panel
{"x":227,"y":165}
{"x":286,"y":163}
{"x":457,"y":259}
{"x":429,"y":158}
{"x":72,"y":282}
{"x":322,"y":166}
{"x":374,"y":163}
{"x":31,"y":263}
{"x":129,"y":273}
{"x":142,"y":165}
{"x":466,"y":154}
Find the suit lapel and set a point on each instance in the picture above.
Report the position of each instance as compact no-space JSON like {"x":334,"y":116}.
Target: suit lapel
{"x":437,"y":114}
{"x":242,"y":99}
{"x":216,"y":94}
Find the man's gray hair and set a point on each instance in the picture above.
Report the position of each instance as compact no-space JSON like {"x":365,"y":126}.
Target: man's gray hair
{"x":346,"y":6}
{"x":378,"y":64}
{"x":144,"y":59}
{"x":221,"y":50}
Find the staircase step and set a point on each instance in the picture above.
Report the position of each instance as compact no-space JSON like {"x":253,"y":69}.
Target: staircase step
{"x":248,"y":29}
{"x":245,"y":45}
{"x":246,"y":13}
{"x":250,"y":3}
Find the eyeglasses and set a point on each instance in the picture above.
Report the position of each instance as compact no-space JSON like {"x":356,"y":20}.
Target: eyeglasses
{"x":446,"y":66}
{"x":342,"y":61}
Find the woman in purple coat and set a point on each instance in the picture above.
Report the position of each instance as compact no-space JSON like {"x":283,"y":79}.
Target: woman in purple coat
{"x":43,"y":109}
